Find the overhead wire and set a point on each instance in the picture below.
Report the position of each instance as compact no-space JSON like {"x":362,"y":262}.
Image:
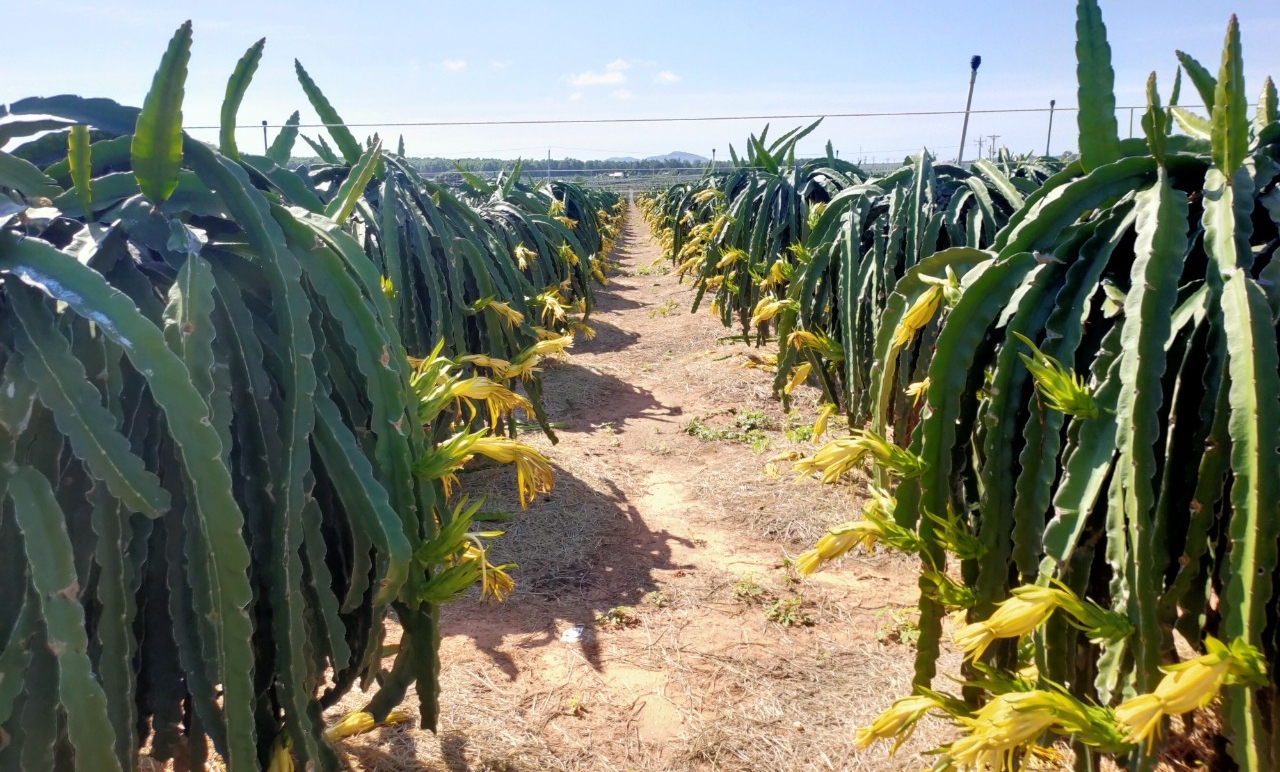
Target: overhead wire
{"x":664,"y":119}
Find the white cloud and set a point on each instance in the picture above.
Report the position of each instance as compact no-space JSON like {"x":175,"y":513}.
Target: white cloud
{"x":575,"y":96}
{"x":666,"y":78}
{"x":590,"y":78}
{"x":618,"y":65}
{"x":499,"y":64}
{"x":454,"y":65}
{"x":623,"y":94}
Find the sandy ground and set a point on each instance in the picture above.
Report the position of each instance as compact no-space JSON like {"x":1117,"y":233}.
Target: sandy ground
{"x":669,"y":554}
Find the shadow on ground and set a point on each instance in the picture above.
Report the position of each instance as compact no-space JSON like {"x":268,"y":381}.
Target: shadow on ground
{"x":583,"y":397}
{"x":582,"y":550}
{"x":608,"y":337}
{"x":453,"y":752}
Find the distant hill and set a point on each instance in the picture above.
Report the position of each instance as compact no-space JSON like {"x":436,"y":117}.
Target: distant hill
{"x":679,"y":155}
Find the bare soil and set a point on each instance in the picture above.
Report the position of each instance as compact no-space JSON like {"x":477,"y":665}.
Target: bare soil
{"x":698,"y":647}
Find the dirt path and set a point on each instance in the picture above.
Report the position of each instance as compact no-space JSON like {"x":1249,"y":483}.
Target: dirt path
{"x":664,"y":544}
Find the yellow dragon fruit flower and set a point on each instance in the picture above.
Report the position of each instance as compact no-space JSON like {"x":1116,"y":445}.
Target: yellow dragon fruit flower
{"x":1003,"y":726}
{"x":730,"y":257}
{"x":498,"y":366}
{"x":360,"y":722}
{"x":508,"y":314}
{"x":523,"y":255}
{"x":767,"y":309}
{"x":1023,"y":612}
{"x":896,"y":723}
{"x":916,"y":391}
{"x":1189,"y":685}
{"x":533,"y":470}
{"x":919,"y":315}
{"x":835,"y":543}
{"x":824,"y":416}
{"x":798,"y":377}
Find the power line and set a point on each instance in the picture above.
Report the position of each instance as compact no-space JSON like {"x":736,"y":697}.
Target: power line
{"x":668,"y":119}
{"x":656,"y":163}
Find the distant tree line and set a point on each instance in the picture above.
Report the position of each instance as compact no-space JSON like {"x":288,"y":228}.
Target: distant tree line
{"x":494,"y":165}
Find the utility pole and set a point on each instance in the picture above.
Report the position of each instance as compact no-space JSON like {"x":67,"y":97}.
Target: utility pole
{"x":548,"y":168}
{"x":964,"y":130}
{"x":992,"y":149}
{"x":265,"y":149}
{"x":980,"y":143}
{"x":1052,"y":102}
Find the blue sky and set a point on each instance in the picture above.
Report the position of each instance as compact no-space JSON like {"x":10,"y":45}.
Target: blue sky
{"x":381,"y":61}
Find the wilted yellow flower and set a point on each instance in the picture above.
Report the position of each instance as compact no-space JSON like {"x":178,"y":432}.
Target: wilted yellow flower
{"x":766,"y":309}
{"x":553,"y":346}
{"x":499,"y":399}
{"x":897,"y":723}
{"x":388,"y":289}
{"x":687,"y":265}
{"x":360,"y":722}
{"x":567,"y":254}
{"x":1189,"y":685}
{"x":1020,"y":614}
{"x":523,"y":255}
{"x":533,"y":471}
{"x":1141,"y":718}
{"x":798,"y":377}
{"x":820,"y":425}
{"x":839,"y":456}
{"x":920,"y":313}
{"x":553,"y":309}
{"x":1002,"y":727}
{"x":577,"y":327}
{"x":524,"y":363}
{"x":495,"y":583}
{"x":827,"y":348}
{"x":730,"y":257}
{"x":916,"y":391}
{"x":702,"y":196}
{"x":504,"y":311}
{"x":835,"y":543}
{"x":567,"y":222}
{"x":498,"y":366}
{"x":779,"y":272}
{"x":876,"y":525}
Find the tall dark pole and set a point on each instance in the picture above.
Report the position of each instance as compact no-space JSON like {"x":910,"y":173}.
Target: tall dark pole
{"x":264,"y":138}
{"x":964,"y":132}
{"x":1052,"y":102}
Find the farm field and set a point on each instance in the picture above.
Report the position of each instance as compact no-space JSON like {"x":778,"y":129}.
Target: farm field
{"x":311,"y":460}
